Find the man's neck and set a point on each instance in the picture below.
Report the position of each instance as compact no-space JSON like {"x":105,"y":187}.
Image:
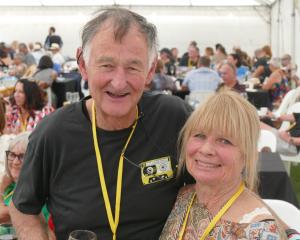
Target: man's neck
{"x":110,"y":123}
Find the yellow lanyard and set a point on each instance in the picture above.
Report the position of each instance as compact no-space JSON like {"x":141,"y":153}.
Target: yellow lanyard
{"x":8,"y":195}
{"x":23,"y":124}
{"x":215,"y":219}
{"x":113,"y":222}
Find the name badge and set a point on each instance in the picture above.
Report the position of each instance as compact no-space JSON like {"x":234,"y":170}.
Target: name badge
{"x":156,"y":170}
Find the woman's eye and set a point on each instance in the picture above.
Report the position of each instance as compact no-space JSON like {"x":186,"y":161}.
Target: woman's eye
{"x":225,"y":141}
{"x":200,"y":136}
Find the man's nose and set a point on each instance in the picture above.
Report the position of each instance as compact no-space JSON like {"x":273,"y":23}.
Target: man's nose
{"x":119,"y":78}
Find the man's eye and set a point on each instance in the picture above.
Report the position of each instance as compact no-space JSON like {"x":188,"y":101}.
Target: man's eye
{"x":133,"y":69}
{"x":106,"y":66}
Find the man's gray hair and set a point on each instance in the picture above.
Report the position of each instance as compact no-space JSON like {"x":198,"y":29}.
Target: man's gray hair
{"x":122,"y":20}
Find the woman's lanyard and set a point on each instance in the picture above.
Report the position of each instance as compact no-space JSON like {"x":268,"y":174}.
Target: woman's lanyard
{"x":23,"y":124}
{"x":113,"y":222}
{"x":216,"y":218}
{"x":8,"y":195}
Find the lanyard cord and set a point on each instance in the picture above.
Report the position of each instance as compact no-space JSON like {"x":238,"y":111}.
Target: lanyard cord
{"x":8,"y":195}
{"x":216,"y":218}
{"x":113,"y":222}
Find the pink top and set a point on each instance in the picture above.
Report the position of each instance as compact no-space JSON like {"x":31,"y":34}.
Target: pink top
{"x":14,"y":123}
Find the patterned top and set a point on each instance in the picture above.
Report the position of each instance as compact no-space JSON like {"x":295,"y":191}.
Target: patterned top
{"x":14,"y":123}
{"x":199,"y":218}
{"x":278,"y":90}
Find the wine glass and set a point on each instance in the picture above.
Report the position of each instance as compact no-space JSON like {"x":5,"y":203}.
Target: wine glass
{"x":82,"y":235}
{"x":7,"y":232}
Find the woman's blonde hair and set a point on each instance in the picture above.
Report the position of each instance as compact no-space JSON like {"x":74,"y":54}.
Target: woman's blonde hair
{"x":229,"y":114}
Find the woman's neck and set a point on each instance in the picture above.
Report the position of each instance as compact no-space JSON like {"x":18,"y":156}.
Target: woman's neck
{"x":214,"y":197}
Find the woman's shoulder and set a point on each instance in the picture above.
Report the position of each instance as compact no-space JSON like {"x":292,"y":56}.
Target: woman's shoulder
{"x":250,"y":208}
{"x":186,"y":191}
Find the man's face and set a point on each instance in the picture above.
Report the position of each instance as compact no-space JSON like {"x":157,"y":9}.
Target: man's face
{"x":117,"y":72}
{"x":227,"y":74}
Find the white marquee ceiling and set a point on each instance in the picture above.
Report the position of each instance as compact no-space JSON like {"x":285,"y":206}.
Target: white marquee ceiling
{"x":137,"y":2}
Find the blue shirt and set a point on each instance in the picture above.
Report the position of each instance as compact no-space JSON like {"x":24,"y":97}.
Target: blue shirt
{"x":203,"y":78}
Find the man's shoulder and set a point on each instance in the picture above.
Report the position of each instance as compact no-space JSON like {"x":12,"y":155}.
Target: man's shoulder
{"x":162,"y":101}
{"x":62,"y":117}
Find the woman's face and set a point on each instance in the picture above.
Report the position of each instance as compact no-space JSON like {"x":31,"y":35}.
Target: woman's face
{"x":213,"y":159}
{"x":15,"y":161}
{"x":19,"y":94}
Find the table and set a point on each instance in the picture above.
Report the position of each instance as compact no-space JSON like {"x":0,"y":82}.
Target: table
{"x":180,"y":93}
{"x":70,"y":82}
{"x":274,"y":180}
{"x":259,"y":98}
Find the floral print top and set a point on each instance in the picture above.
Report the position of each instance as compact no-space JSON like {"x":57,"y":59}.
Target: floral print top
{"x":199,"y":218}
{"x":14,"y":123}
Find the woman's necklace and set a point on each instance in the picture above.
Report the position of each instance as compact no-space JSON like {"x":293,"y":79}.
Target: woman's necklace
{"x":216,"y":218}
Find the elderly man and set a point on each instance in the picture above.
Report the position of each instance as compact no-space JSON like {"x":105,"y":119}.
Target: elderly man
{"x":107,"y":163}
{"x":28,"y":57}
{"x":203,"y":78}
{"x":228,"y":75}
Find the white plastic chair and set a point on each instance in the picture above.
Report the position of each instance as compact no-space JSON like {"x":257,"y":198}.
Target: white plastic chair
{"x":295,"y":108}
{"x":267,"y":139}
{"x":286,"y":211}
{"x":289,"y":99}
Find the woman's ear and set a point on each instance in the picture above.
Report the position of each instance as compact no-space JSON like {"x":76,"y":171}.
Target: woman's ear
{"x":81,"y":63}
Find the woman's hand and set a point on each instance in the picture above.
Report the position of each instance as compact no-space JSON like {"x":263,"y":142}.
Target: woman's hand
{"x":284,"y":135}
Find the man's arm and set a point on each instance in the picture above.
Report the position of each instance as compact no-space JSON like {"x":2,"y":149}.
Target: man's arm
{"x":31,"y":227}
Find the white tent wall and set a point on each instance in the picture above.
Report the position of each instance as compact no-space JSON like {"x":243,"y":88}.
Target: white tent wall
{"x":247,"y":27}
{"x":285,"y":29}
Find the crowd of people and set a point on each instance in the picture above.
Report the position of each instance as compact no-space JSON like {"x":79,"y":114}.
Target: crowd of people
{"x":110,"y":164}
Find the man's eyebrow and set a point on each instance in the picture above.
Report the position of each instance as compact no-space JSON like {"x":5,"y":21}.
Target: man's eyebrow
{"x":104,"y":59}
{"x":135,"y":62}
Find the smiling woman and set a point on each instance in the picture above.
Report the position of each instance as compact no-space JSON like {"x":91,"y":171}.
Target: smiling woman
{"x":219,"y":149}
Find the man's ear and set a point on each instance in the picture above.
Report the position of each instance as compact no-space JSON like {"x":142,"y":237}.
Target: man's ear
{"x":151,"y":71}
{"x":81,"y":63}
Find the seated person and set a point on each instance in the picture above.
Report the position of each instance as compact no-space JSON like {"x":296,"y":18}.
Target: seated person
{"x":241,"y":70}
{"x":277,"y":84}
{"x":161,"y":81}
{"x":218,"y":147}
{"x":261,"y":66}
{"x":28,"y":107}
{"x":169,"y":63}
{"x":202,"y":78}
{"x":192,"y":58}
{"x":288,"y":141}
{"x":228,"y":75}
{"x":13,"y":164}
{"x":45,"y":76}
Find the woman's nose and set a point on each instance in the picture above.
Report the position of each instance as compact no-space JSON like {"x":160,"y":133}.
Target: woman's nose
{"x":208,"y":147}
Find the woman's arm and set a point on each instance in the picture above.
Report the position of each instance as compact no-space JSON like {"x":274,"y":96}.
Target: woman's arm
{"x":274,"y":78}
